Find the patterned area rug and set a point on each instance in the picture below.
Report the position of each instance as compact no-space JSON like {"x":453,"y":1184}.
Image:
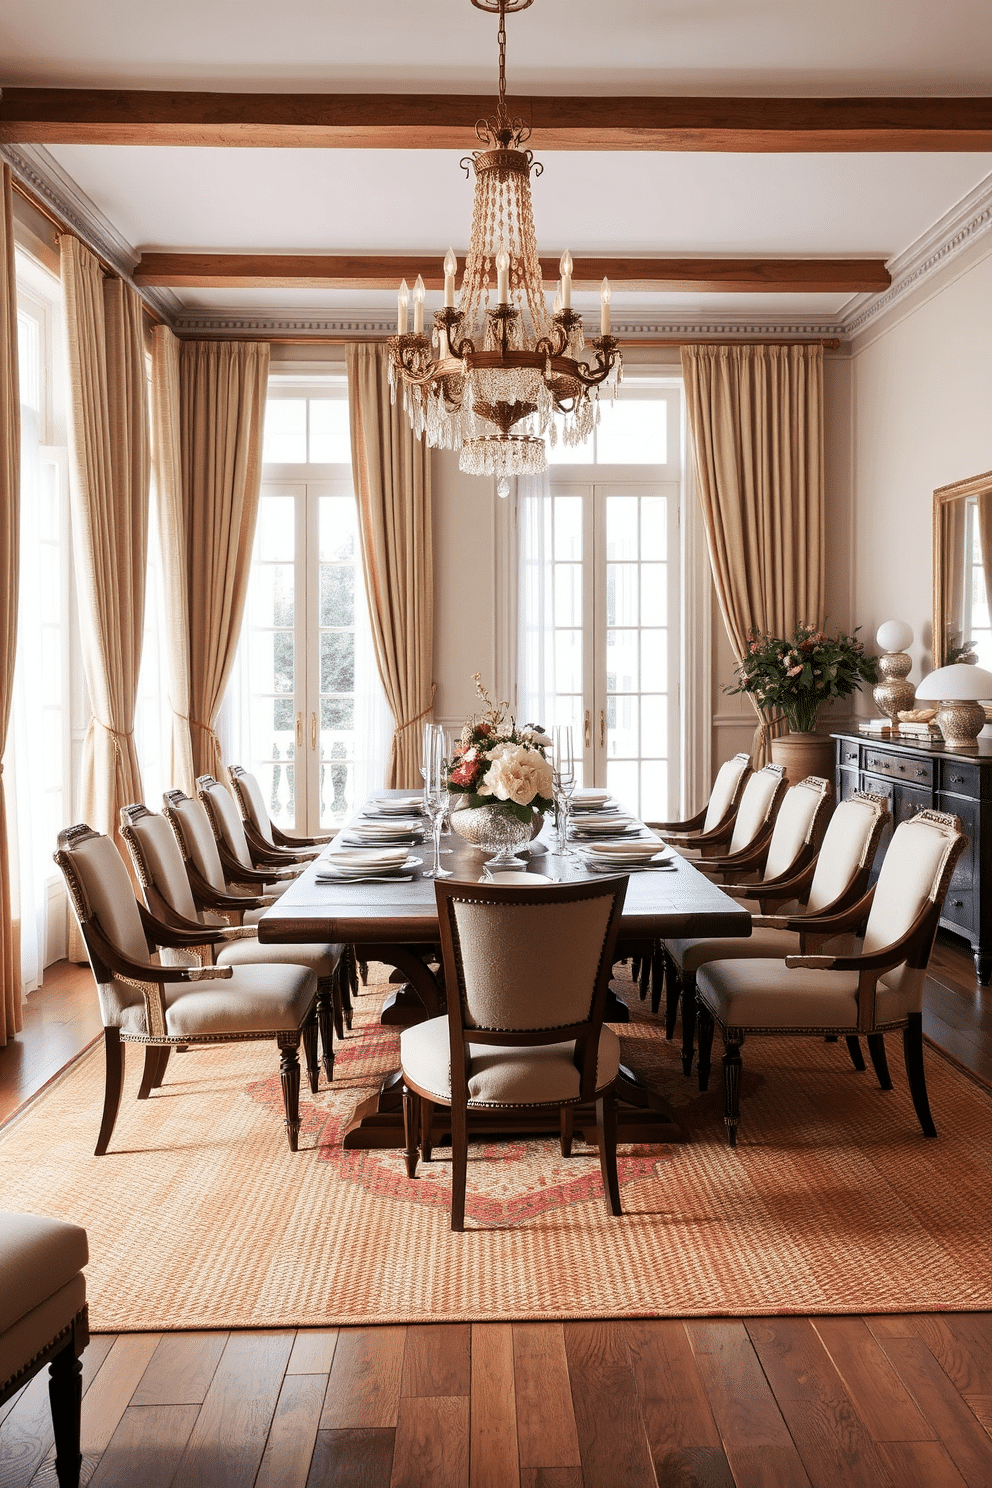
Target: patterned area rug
{"x":200,"y":1217}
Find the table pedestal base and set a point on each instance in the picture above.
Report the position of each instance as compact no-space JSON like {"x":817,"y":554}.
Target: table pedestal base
{"x":642,"y":1116}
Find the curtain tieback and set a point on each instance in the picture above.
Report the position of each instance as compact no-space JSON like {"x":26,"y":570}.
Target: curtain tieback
{"x":116,"y":734}
{"x":195,"y":723}
{"x":422,"y":714}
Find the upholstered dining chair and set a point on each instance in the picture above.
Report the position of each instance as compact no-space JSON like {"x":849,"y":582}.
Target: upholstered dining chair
{"x":711,"y":827}
{"x":873,"y":991}
{"x":240,"y":863}
{"x":44,"y":1320}
{"x":526,"y":974}
{"x":213,"y":893}
{"x":757,"y":809}
{"x":165,"y":887}
{"x":160,"y":1006}
{"x":261,"y":831}
{"x":835,"y":878}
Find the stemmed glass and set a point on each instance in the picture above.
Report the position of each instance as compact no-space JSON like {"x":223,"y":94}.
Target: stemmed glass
{"x":563,"y":782}
{"x":437,"y":756}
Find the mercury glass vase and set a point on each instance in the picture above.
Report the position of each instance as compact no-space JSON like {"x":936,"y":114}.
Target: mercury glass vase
{"x":496,"y":830}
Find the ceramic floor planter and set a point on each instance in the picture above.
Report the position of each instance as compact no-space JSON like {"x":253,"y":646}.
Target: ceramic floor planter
{"x":804,"y":754}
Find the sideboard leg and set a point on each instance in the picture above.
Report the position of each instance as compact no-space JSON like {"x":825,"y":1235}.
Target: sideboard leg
{"x":983,"y":965}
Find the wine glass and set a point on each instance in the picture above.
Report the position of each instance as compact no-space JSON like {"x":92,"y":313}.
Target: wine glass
{"x":437,"y":758}
{"x":563,"y":783}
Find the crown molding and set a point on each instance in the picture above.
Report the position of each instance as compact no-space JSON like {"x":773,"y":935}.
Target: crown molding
{"x":958,"y":229}
{"x":41,"y":173}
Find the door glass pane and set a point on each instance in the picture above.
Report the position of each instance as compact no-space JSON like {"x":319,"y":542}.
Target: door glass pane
{"x":621,"y":594}
{"x":270,"y":614}
{"x":338,"y":544}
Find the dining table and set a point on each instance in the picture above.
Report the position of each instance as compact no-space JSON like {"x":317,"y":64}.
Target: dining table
{"x":394,"y":921}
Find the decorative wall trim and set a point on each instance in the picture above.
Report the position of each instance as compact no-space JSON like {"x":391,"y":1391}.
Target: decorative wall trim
{"x":41,"y":173}
{"x":963,"y":225}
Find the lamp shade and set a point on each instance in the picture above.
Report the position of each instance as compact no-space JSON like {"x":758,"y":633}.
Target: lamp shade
{"x":894,"y":635}
{"x":958,"y":683}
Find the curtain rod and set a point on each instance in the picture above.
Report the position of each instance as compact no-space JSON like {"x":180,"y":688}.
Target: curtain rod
{"x":62,"y":227}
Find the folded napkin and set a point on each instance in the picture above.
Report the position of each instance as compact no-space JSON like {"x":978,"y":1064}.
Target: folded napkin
{"x":380,"y":839}
{"x":589,"y":800}
{"x":367,"y":857}
{"x":395,"y":806}
{"x":601,"y":821}
{"x":641,"y":849}
{"x":403,"y":828}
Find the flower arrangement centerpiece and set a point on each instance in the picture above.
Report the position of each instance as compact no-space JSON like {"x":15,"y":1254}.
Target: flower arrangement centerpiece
{"x":500,"y":780}
{"x":794,"y":676}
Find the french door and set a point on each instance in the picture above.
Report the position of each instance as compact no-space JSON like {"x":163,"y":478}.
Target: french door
{"x":600,"y":605}
{"x":309,"y":652}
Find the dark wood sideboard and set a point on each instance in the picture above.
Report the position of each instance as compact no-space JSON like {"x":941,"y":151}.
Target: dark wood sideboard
{"x":918,"y":774}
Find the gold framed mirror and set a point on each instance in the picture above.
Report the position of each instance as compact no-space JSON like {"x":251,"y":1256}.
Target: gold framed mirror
{"x":962,"y":572}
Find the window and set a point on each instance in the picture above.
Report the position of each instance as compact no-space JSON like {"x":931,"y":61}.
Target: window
{"x":37,"y":761}
{"x":314,"y":721}
{"x":599,"y":596}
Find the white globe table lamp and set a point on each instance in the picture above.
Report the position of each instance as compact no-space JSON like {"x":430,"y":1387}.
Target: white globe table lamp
{"x":893,"y":693}
{"x":958,"y":688}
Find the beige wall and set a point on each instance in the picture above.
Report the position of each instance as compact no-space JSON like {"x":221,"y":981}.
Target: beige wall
{"x":922,"y":400}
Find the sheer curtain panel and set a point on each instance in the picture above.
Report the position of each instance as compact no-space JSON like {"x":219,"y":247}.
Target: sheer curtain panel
{"x":393,"y":490}
{"x":221,"y":413}
{"x":756,"y":418}
{"x":10,"y":455}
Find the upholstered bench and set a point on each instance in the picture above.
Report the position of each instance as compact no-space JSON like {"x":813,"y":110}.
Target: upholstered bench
{"x":43,"y":1321}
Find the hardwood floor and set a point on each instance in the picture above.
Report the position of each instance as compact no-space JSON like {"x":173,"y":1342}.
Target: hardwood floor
{"x":822,"y":1402}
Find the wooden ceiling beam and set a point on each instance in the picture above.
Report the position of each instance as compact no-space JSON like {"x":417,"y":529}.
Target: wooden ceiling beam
{"x":323,"y":271}
{"x":427,"y":121}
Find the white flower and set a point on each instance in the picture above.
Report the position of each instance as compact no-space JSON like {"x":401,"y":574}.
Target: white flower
{"x":516,"y":774}
{"x":532,"y":735}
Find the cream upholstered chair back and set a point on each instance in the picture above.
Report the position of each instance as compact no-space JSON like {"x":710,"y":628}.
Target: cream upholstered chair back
{"x":249,"y":796}
{"x":532,"y":965}
{"x":225,"y":819}
{"x":757,"y":807}
{"x":797,"y":824}
{"x":849,"y":844}
{"x":101,"y":892}
{"x":191,"y":824}
{"x":725,"y":788}
{"x":915,"y":872}
{"x":157,"y":859}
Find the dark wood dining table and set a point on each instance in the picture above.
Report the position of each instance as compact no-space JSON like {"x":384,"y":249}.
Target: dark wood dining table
{"x":396,"y":923}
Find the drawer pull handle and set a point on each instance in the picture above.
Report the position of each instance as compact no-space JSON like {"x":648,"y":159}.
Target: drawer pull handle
{"x":921,"y":772}
{"x":957,"y":903}
{"x":957,"y":780}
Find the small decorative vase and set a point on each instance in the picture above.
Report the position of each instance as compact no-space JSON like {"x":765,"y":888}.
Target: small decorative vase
{"x":495,"y":830}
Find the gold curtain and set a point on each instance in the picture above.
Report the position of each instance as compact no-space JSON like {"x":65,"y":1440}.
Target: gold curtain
{"x":109,"y":500}
{"x":756,"y":418}
{"x":393,"y":488}
{"x":10,"y":508}
{"x":167,"y":466}
{"x":222,"y":408}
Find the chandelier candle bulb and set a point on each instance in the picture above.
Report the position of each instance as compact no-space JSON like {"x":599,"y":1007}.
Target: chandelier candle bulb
{"x":566,"y":267}
{"x":402,"y":303}
{"x":604,"y":309}
{"x":418,"y":306}
{"x":450,"y":270}
{"x":503,"y":277}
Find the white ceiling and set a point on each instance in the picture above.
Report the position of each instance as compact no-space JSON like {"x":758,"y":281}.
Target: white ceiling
{"x":657,"y":204}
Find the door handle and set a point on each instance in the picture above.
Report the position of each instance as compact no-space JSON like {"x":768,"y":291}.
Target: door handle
{"x":602,"y":728}
{"x":313,"y":731}
{"x":299,"y":730}
{"x":588,"y":731}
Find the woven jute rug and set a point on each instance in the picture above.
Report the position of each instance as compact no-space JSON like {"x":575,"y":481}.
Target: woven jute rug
{"x":201,"y":1217}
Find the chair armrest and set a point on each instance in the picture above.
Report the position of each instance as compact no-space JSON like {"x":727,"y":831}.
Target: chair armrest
{"x":207,"y":897}
{"x":691,"y":824}
{"x":176,"y":937}
{"x":837,"y":924}
{"x":877,"y":961}
{"x":773,"y":922}
{"x":239,"y":932}
{"x":208,"y":973}
{"x":236,"y":872}
{"x":282,"y":839}
{"x":748,"y":857}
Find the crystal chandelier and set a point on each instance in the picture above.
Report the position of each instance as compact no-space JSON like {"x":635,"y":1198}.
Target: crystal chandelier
{"x":499,"y":374}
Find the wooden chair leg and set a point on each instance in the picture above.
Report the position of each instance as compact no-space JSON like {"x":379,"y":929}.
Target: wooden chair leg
{"x":65,"y":1392}
{"x":337,"y":1004}
{"x":411,"y":1129}
{"x":459,"y":1165}
{"x":687,"y":980}
{"x":606,"y":1135}
{"x":309,"y":1039}
{"x":347,"y":1008}
{"x":289,"y":1072}
{"x":325,"y":1022}
{"x":854,"y":1049}
{"x":426,"y":1128}
{"x":156,"y":1058}
{"x":704,"y":1024}
{"x":732,"y":1089}
{"x":876,"y":1049}
{"x":659,"y":975}
{"x":912,"y":1048}
{"x":114,"y":1051}
{"x":565,"y":1118}
{"x":674,"y":989}
{"x":643,"y":975}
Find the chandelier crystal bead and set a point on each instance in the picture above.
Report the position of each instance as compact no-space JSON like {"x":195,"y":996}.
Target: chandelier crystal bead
{"x":499,"y":378}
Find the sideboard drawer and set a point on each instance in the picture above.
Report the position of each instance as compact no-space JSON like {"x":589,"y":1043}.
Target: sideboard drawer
{"x":960,"y":779}
{"x":848,"y":755}
{"x":900,"y":767}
